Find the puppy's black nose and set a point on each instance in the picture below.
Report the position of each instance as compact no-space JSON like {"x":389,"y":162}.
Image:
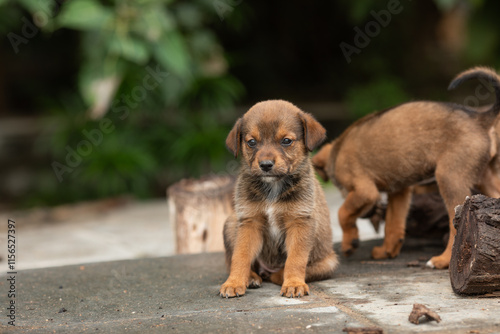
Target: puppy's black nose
{"x":266,"y":165}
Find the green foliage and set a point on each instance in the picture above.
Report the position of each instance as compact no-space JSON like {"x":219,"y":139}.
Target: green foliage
{"x":160,"y":133}
{"x":449,"y":4}
{"x":376,"y":95}
{"x":482,"y":40}
{"x":482,"y":37}
{"x":390,"y":52}
{"x":358,"y":10}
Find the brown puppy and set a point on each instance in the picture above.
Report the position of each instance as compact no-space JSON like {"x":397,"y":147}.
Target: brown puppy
{"x":490,"y":183}
{"x":281,"y":226}
{"x":413,"y":142}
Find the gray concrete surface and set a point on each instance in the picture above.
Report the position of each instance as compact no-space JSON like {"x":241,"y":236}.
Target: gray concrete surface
{"x":143,"y":289}
{"x":131,"y":231}
{"x":178,"y":294}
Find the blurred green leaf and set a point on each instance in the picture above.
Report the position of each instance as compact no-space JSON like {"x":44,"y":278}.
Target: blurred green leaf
{"x":358,"y":10}
{"x":203,"y":42}
{"x":213,"y":93}
{"x":154,"y":2}
{"x":94,"y":75}
{"x":34,"y":6}
{"x":129,"y":48}
{"x":446,"y":5}
{"x":189,"y":15}
{"x":169,"y":129}
{"x":172,"y":54}
{"x":482,"y":41}
{"x":476,"y":3}
{"x":84,"y":15}
{"x":153,"y":22}
{"x":374,"y":96}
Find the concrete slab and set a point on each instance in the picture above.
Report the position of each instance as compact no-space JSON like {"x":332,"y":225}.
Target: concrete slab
{"x":135,"y":230}
{"x":179,"y":295}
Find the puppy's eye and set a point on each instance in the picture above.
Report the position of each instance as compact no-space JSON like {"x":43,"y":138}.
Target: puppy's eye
{"x":252,"y":143}
{"x":286,"y":142}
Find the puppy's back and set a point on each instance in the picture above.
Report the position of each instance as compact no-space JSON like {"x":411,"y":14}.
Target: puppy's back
{"x":394,"y":143}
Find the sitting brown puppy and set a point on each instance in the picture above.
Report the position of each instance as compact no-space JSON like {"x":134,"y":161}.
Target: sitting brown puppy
{"x":281,"y":226}
{"x":413,"y":142}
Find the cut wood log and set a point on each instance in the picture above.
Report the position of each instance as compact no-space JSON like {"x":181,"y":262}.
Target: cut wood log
{"x":198,"y":210}
{"x":475,"y":260}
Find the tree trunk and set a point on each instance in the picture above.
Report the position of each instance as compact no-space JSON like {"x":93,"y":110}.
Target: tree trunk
{"x":475,"y":260}
{"x":198,"y":210}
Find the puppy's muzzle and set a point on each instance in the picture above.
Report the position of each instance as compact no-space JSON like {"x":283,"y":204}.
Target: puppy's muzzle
{"x":266,"y":165}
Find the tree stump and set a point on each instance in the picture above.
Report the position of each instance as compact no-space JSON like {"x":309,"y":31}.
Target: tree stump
{"x":198,"y":210}
{"x":475,"y":260}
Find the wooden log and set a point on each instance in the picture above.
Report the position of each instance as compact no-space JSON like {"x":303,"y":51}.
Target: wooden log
{"x":198,"y":210}
{"x":475,"y":260}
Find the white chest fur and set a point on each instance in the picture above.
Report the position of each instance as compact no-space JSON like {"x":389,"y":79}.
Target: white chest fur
{"x":275,"y":231}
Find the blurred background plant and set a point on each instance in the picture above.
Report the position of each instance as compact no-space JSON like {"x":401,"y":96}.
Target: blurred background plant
{"x":166,"y":76}
{"x":159,"y":134}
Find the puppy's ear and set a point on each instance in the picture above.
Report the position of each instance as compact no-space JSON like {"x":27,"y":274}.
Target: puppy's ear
{"x":314,"y":133}
{"x":233,"y":138}
{"x":320,"y":161}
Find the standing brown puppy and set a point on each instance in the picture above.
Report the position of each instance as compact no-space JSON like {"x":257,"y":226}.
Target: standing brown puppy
{"x":392,"y":150}
{"x":281,"y":226}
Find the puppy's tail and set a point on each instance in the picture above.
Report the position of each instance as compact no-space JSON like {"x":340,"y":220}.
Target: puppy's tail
{"x":486,"y":76}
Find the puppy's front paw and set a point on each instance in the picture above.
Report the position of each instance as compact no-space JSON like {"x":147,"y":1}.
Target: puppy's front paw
{"x":379,"y":253}
{"x":232,"y":288}
{"x":294,"y":289}
{"x":389,"y":250}
{"x":349,"y":246}
{"x":438,"y":262}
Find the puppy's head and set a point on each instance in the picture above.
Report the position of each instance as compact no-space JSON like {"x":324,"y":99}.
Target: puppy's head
{"x":274,"y":138}
{"x":321,"y":159}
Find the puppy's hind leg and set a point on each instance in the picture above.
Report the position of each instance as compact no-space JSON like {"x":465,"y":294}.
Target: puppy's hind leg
{"x":322,"y":269}
{"x":395,"y":223}
{"x":254,"y":281}
{"x":277,"y":277}
{"x":358,"y":201}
